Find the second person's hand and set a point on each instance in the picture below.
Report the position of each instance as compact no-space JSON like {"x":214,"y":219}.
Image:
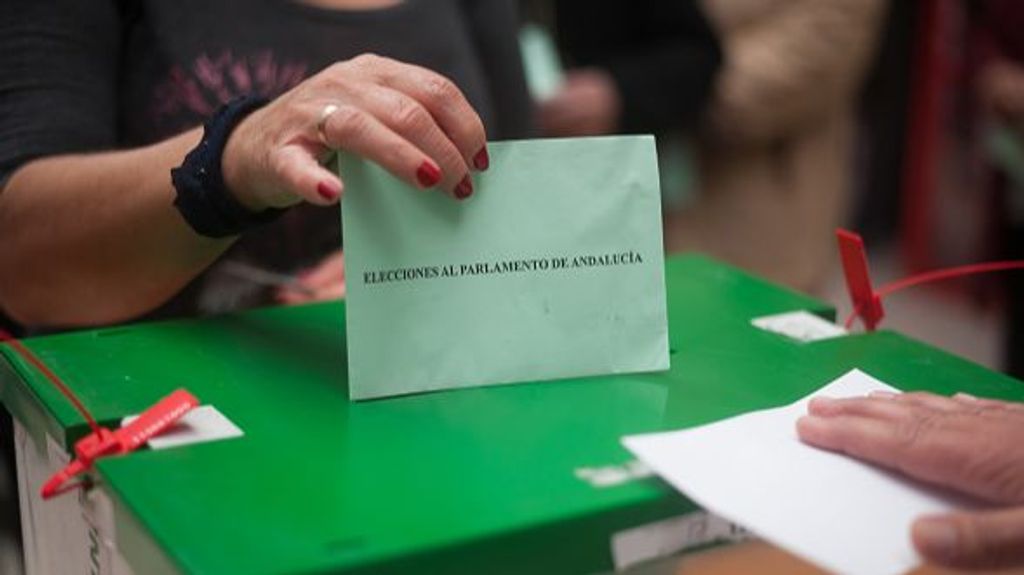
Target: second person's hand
{"x":974,"y":446}
{"x":322,"y":282}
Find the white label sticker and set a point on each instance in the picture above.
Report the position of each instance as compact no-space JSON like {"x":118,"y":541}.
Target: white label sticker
{"x":204,"y":423}
{"x":670,"y":536}
{"x":612,"y":475}
{"x":799,"y":325}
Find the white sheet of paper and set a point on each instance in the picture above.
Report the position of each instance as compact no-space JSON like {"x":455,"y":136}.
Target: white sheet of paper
{"x":835,"y":511}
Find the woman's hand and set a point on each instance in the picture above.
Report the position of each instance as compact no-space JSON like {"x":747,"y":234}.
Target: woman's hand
{"x":974,"y":446}
{"x":325,"y":281}
{"x":413,"y":122}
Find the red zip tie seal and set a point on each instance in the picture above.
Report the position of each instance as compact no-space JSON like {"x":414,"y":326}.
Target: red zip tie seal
{"x":103,"y":442}
{"x":867,"y":302}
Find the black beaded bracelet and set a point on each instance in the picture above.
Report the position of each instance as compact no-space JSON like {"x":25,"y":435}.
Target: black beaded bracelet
{"x":202,"y":197}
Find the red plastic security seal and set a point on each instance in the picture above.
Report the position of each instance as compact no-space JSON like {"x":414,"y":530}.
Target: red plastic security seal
{"x":867,"y":302}
{"x":102,"y":441}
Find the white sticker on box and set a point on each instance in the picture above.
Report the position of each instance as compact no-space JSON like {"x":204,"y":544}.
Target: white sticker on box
{"x":672,"y":535}
{"x":204,"y":423}
{"x":799,"y":325}
{"x":612,"y":475}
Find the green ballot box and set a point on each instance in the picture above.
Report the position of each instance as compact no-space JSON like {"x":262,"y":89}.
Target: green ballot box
{"x":501,"y":479}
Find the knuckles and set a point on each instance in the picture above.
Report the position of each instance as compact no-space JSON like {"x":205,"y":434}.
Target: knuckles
{"x":396,"y":151}
{"x":278,"y":163}
{"x":912,"y":431}
{"x":343,"y":73}
{"x":409,"y":116}
{"x":441,"y":90}
{"x":370,"y":62}
{"x":349,"y":121}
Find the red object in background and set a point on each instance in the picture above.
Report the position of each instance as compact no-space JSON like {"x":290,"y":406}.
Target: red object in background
{"x":923,"y":144}
{"x":867,"y":302}
{"x":102,"y":441}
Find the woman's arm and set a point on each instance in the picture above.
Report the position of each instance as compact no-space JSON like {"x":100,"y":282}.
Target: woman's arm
{"x":78,"y":232}
{"x":95,"y":238}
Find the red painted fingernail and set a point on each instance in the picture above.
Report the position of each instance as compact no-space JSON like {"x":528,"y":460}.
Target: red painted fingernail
{"x":481,"y":160}
{"x":428,"y":174}
{"x":328,"y":191}
{"x":465,"y":188}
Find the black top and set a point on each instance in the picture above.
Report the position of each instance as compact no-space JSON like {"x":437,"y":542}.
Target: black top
{"x":662,"y":54}
{"x":94,"y":75}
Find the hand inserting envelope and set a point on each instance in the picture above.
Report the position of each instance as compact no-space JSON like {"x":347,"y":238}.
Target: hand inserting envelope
{"x":840,"y":513}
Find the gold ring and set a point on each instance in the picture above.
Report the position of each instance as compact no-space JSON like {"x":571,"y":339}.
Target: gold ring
{"x":321,"y":123}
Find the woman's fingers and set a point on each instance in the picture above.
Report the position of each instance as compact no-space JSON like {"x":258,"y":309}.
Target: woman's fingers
{"x":980,"y":540}
{"x":444,"y":101}
{"x":298,"y":172}
{"x":411,"y":120}
{"x":356,"y":130}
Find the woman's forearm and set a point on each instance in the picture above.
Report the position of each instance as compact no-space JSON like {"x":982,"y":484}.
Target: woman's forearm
{"x":95,"y":238}
{"x":87,"y":239}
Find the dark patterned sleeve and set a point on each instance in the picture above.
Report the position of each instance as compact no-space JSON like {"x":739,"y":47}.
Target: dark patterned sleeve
{"x":58,"y":78}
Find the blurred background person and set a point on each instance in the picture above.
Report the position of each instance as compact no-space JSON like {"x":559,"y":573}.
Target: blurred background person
{"x":642,"y":67}
{"x":823,"y":114}
{"x":633,"y":67}
{"x":776,"y":145}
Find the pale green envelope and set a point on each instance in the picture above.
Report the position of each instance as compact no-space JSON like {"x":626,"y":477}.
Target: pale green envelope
{"x":541,"y":200}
